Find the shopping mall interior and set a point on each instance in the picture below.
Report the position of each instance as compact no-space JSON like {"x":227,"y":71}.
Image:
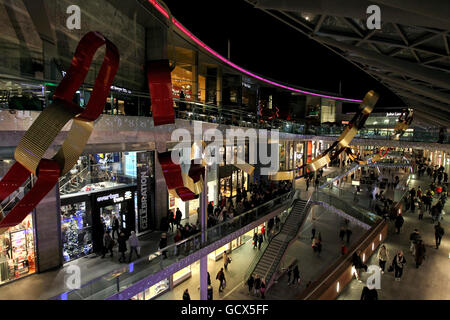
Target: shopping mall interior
{"x":150,"y":151}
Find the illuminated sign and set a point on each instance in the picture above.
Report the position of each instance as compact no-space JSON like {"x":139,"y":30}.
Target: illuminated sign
{"x":116,"y":197}
{"x":393,"y":114}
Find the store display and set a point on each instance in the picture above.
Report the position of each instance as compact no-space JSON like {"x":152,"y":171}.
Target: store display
{"x":182,"y":275}
{"x":17,"y":251}
{"x":76,"y":231}
{"x":153,"y":291}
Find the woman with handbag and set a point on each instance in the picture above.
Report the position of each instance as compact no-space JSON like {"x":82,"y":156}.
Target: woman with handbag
{"x":398,"y":264}
{"x":383,"y":256}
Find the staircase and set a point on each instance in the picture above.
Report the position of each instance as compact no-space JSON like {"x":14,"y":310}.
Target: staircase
{"x":268,"y":263}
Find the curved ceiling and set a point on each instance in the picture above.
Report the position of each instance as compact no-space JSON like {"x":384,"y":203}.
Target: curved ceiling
{"x":409,"y":54}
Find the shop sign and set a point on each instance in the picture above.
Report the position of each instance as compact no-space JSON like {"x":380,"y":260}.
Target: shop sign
{"x":144,"y":186}
{"x":116,"y":197}
{"x":108,"y":197}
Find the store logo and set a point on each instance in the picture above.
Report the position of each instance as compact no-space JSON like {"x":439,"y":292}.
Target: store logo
{"x":374,"y":18}
{"x":258,"y":151}
{"x":73,"y":281}
{"x":74,"y":20}
{"x":109,"y":197}
{"x":143,"y":209}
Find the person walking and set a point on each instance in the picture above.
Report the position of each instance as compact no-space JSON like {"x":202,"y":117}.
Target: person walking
{"x":414,"y":237}
{"x":170,"y":219}
{"x":348,"y":232}
{"x":163,"y":244}
{"x":226,"y":260}
{"x":108,"y":244}
{"x":260,"y":241}
{"x":122,"y":241}
{"x":358,"y":264}
{"x":399,"y":223}
{"x":307,"y":184}
{"x":134,"y":246}
{"x":383,"y":256}
{"x":263,"y":288}
{"x":221,"y":277}
{"x":438,"y":234}
{"x":313,"y":232}
{"x":250,"y":283}
{"x":399,"y":264}
{"x":257,"y":285}
{"x":255,"y":240}
{"x":420,"y":253}
{"x":186,"y":296}
{"x":369,"y":294}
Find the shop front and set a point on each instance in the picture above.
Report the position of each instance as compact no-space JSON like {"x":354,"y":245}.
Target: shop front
{"x":230,"y":180}
{"x":154,"y":291}
{"x":17,"y":251}
{"x":106,"y":205}
{"x":76,"y":227}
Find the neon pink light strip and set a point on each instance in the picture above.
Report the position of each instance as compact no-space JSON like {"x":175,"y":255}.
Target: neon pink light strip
{"x":214,"y":53}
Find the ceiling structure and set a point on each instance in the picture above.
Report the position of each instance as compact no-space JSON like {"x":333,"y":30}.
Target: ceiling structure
{"x":410,"y":53}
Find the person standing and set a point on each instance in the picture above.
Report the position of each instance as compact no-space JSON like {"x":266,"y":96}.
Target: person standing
{"x":221,"y":277}
{"x":108,"y":244}
{"x":255,"y":240}
{"x":178,"y":216}
{"x":263,"y":232}
{"x":260,"y":241}
{"x":134,"y":246}
{"x":307,"y":184}
{"x":186,"y":296}
{"x":342,"y":233}
{"x":348,"y":232}
{"x":122,"y":240}
{"x":289,"y":273}
{"x":250,"y":283}
{"x":399,"y":263}
{"x":296,"y":274}
{"x":115,"y":226}
{"x":438,"y":234}
{"x":313,"y":232}
{"x":170,"y":219}
{"x":420,"y":253}
{"x":383,"y":256}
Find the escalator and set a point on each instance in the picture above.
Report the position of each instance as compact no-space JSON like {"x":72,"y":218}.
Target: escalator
{"x":268,"y":262}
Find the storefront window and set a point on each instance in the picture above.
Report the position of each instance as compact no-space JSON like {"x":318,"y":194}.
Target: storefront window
{"x":182,"y":275}
{"x":76,"y":227}
{"x":17,"y":251}
{"x":153,"y":291}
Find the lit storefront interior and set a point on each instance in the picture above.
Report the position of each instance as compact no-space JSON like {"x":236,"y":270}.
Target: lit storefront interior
{"x":17,"y":251}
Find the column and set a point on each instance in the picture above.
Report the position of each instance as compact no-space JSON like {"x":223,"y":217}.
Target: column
{"x":204,"y":226}
{"x":47,"y":222}
{"x":161,"y":195}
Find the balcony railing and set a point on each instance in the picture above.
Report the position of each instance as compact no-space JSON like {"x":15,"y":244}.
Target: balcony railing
{"x":113,"y":282}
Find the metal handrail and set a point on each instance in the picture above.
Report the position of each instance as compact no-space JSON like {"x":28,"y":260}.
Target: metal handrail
{"x":78,"y":174}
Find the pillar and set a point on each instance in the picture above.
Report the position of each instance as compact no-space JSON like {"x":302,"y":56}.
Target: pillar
{"x":161,"y":194}
{"x":47,"y":223}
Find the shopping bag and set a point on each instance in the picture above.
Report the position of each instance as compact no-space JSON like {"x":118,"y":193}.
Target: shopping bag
{"x":138,"y":249}
{"x":224,"y":284}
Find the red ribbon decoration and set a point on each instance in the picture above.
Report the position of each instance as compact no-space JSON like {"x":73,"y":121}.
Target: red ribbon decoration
{"x":48,"y":170}
{"x":160,"y":86}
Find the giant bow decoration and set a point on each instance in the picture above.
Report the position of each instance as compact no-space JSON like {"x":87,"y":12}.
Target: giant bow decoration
{"x":41,"y":134}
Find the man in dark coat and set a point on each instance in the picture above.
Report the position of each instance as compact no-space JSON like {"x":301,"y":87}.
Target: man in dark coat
{"x":163,"y":244}
{"x":369,"y":294}
{"x":420,"y":253}
{"x":438,"y":233}
{"x":122,"y":240}
{"x":399,"y":222}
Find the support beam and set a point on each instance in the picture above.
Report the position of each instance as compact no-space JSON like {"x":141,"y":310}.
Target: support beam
{"x":437,"y":78}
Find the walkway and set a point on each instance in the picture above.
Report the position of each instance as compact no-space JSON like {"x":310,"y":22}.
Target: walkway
{"x":431,"y":280}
